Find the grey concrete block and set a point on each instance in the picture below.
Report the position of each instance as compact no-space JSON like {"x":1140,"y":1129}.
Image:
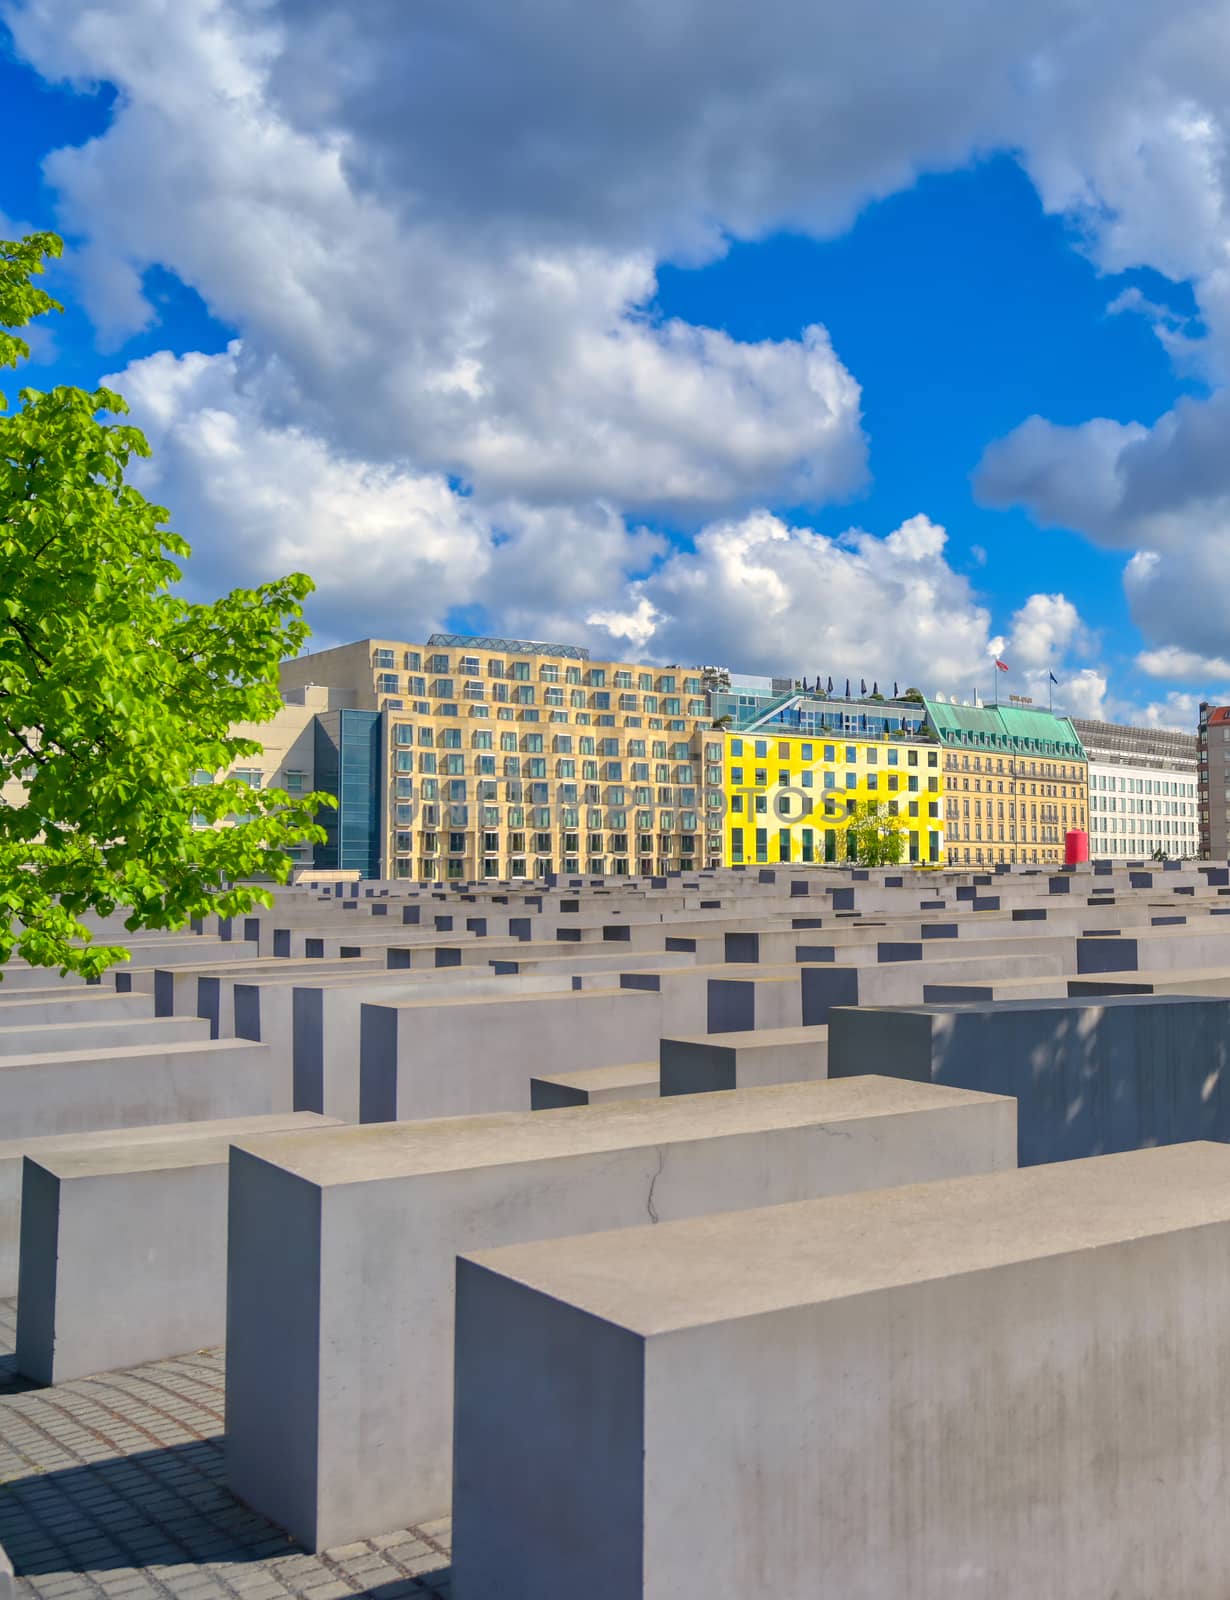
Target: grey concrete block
{"x":743,"y":1060}
{"x":595,"y":1086}
{"x":78,"y":1091}
{"x":769,"y":1402}
{"x":39,"y":1039}
{"x":14,"y":1151}
{"x":439,"y":1058}
{"x":123,"y":1251}
{"x":354,"y":1354}
{"x":1090,"y":1076}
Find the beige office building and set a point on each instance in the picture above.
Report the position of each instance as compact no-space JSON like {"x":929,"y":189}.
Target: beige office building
{"x":467,"y":758}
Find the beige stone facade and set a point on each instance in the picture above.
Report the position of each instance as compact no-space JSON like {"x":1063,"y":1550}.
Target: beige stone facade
{"x":509,"y":758}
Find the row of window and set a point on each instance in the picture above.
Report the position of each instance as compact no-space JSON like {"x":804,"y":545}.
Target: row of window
{"x":517,"y":792}
{"x":1031,"y":813}
{"x":385,"y":660}
{"x":444,"y":689}
{"x":432,"y":815}
{"x":1137,"y":807}
{"x":1059,"y":790}
{"x":543,"y":844}
{"x":292,"y":779}
{"x":804,"y":780}
{"x":1018,"y":766}
{"x":851,"y":753}
{"x":1042,"y":834}
{"x":826,"y":844}
{"x":977,"y":857}
{"x":454,"y":868}
{"x":581,"y":719}
{"x":535,"y":743}
{"x":1159,"y":786}
{"x":833,"y":808}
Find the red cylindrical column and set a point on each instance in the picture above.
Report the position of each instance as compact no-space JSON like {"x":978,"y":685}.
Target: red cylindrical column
{"x":1075,"y":847}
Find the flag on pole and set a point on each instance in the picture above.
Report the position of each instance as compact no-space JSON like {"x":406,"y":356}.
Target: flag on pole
{"x":830,"y":685}
{"x":1002,"y":665}
{"x":1053,"y":679}
{"x":862,"y":685}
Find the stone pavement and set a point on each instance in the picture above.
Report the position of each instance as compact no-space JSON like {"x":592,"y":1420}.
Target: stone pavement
{"x":113,"y":1486}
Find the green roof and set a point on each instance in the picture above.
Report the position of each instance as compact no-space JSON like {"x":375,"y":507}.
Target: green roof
{"x":1019,"y":730}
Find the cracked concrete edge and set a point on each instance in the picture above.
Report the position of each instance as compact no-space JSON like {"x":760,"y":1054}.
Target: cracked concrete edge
{"x":8,"y":1584}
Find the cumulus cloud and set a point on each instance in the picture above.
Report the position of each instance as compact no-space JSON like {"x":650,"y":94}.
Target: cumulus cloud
{"x":1179,"y":709}
{"x":394,"y":551}
{"x":438,"y":227}
{"x":526,"y":365}
{"x":1174,"y":662}
{"x":1161,"y":492}
{"x":763,"y":593}
{"x":256,"y":500}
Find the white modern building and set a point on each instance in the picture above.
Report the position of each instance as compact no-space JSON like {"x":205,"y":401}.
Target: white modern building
{"x":1143,"y":798}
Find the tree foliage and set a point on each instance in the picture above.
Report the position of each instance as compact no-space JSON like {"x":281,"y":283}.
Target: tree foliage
{"x":115,"y":691}
{"x":875,"y":836}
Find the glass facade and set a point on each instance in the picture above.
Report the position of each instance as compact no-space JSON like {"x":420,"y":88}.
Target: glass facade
{"x":348,"y":746}
{"x":802,"y":713}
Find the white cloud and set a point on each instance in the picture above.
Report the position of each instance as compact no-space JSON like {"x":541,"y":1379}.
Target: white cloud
{"x":528,"y":365}
{"x":1187,"y":665}
{"x":438,"y":229}
{"x":386,"y":546}
{"x":1043,"y":630}
{"x":1179,"y":710}
{"x":394,"y":551}
{"x":761,"y":595}
{"x":1161,"y":492}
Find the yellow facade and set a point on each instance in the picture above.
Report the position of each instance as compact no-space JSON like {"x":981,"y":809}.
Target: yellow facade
{"x":789,"y":798}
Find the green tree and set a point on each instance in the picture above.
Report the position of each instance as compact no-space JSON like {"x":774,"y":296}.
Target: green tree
{"x":875,"y":837}
{"x":116,"y":692}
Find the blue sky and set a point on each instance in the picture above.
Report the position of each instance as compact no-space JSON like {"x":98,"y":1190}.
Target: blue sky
{"x":463,"y":384}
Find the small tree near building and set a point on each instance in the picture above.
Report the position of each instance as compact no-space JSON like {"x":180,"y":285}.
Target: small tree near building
{"x":875,"y":837}
{"x":116,"y":691}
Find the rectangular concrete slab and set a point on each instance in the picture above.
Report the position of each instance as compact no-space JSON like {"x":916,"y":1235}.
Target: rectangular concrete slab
{"x":123,"y":1251}
{"x":340,"y":1294}
{"x":636,"y":1081}
{"x":77,"y":1091}
{"x":901,"y":982}
{"x":39,"y":1039}
{"x":40,"y":1007}
{"x":1091,"y":1076}
{"x":14,"y":1151}
{"x":1203,"y":980}
{"x":1010,"y":1386}
{"x":440,"y":1058}
{"x":743,"y":1060}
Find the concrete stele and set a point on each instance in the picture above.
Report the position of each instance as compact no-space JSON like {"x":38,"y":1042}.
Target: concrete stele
{"x":340,"y":1289}
{"x":1016,"y":1385}
{"x":123,"y":1251}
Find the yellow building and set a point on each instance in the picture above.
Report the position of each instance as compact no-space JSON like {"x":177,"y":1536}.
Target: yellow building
{"x":467,"y":758}
{"x":791,"y":798}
